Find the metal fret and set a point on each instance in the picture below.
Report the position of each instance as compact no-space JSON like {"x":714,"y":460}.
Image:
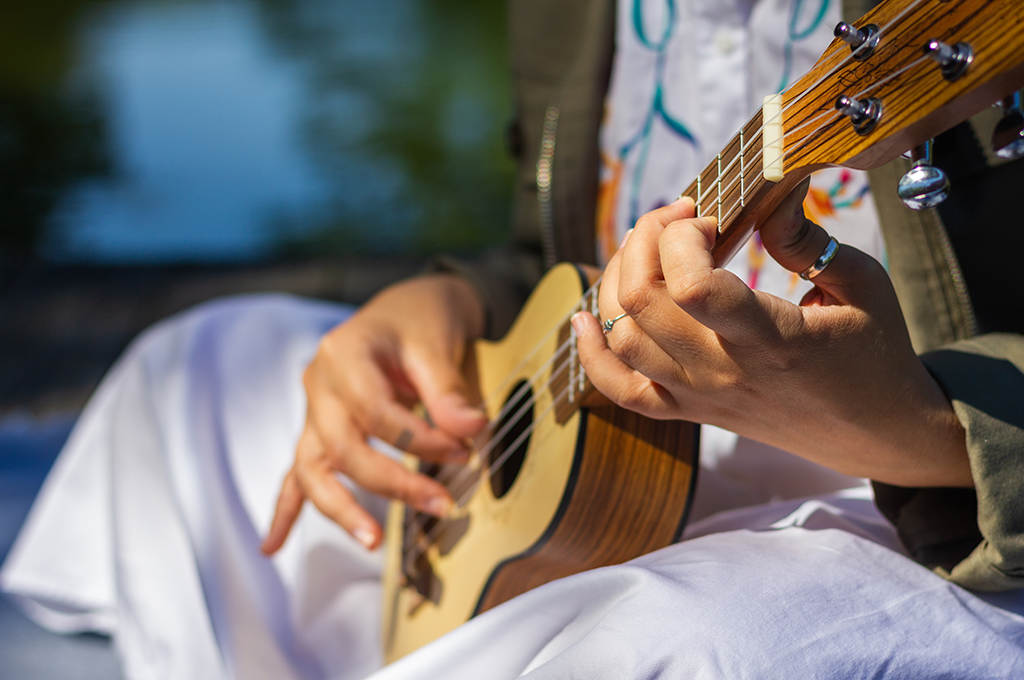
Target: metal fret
{"x":697,"y":201}
{"x":743,"y":171}
{"x":573,"y":354}
{"x":719,"y":193}
{"x":571,"y":396}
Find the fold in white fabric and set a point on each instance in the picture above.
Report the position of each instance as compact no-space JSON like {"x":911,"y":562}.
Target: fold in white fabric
{"x":149,"y":524}
{"x":786,"y":602}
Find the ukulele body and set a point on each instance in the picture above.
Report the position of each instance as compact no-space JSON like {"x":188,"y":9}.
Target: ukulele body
{"x":576,"y":488}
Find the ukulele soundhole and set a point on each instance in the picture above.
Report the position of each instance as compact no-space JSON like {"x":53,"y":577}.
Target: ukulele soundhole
{"x":513,"y":431}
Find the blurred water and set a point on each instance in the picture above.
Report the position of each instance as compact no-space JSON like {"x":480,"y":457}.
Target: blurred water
{"x":205,"y":130}
{"x":248,"y":129}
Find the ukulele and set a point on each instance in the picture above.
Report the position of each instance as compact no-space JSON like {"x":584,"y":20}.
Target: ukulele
{"x":565,"y":482}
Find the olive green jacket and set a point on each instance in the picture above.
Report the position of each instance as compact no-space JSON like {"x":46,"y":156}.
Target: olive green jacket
{"x":954,"y":271}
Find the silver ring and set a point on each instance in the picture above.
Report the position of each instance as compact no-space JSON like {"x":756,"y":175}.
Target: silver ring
{"x":607,"y":325}
{"x":819,"y":265}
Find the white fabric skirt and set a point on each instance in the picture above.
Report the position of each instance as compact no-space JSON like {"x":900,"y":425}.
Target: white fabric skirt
{"x":148,"y":528}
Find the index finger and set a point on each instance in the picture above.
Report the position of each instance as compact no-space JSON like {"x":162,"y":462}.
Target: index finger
{"x":715,"y":297}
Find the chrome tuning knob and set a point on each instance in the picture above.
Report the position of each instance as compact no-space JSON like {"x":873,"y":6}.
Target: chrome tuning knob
{"x":862,"y":41}
{"x":1008,"y":136}
{"x":863,"y":113}
{"x":925,"y":186}
{"x":952,"y":59}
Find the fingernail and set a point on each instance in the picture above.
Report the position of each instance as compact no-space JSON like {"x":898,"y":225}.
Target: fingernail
{"x":626,"y":237}
{"x":468,"y":411}
{"x":464,"y":410}
{"x":438,"y":506}
{"x":366,"y":536}
{"x":577,"y":322}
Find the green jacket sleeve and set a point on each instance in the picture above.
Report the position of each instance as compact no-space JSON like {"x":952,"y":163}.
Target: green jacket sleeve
{"x":973,"y":537}
{"x":503,"y":279}
{"x":561,"y":56}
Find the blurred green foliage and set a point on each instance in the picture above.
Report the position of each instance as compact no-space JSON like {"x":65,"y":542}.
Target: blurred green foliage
{"x":49,"y":137}
{"x":439,"y":108}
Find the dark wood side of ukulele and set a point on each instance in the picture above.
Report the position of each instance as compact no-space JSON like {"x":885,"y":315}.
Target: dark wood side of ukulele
{"x":630,"y":493}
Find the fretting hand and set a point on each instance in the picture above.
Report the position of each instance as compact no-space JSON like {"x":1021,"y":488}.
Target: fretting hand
{"x":834,"y":379}
{"x":403,"y":347}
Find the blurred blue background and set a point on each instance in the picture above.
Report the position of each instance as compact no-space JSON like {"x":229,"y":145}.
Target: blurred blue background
{"x":247,"y":130}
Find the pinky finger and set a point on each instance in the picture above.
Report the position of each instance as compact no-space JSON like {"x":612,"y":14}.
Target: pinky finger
{"x":623,"y":385}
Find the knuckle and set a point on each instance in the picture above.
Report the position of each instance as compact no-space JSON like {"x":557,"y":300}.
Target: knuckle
{"x":402,"y":488}
{"x":689,"y":290}
{"x":632,"y":297}
{"x":647,"y":221}
{"x":304,"y":478}
{"x":629,"y":347}
{"x":369,"y":418}
{"x":631,"y":399}
{"x":335,"y":456}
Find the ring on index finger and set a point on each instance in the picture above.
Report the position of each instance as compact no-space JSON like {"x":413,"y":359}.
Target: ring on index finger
{"x":607,"y":325}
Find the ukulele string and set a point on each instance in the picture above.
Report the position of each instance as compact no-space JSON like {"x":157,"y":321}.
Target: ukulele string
{"x":510,"y":403}
{"x":729,"y":186}
{"x":757,"y":133}
{"x":727,"y":215}
{"x":739,"y":202}
{"x":579,"y":306}
{"x":829,"y":74}
{"x":527,"y":385}
{"x":443,"y":523}
{"x":460,"y":472}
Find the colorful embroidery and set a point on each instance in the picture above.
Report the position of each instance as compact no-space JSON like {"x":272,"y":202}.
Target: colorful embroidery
{"x":823,"y":203}
{"x":796,"y":34}
{"x":641,"y":140}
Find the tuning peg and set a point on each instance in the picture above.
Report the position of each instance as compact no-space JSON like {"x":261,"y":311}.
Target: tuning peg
{"x":857,"y":37}
{"x":925,"y":186}
{"x":953,"y":60}
{"x":1008,"y":137}
{"x":863,"y":113}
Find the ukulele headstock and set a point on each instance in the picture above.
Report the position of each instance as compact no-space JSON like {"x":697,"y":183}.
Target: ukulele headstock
{"x":863,"y":106}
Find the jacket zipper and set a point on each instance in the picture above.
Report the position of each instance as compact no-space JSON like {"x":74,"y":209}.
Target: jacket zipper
{"x":545,"y":167}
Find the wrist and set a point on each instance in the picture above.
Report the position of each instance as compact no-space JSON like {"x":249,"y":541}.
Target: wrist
{"x":464,"y":296}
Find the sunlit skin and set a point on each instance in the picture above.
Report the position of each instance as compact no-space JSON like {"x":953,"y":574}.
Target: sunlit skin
{"x":833,"y":379}
{"x":404,"y":346}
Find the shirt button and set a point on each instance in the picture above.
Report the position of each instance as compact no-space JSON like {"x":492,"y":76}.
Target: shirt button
{"x":724,"y":42}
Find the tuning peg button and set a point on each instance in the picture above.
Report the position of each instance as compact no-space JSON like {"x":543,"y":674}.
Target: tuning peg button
{"x":1008,"y":136}
{"x":862,"y":41}
{"x":925,"y":186}
{"x":953,"y":60}
{"x":863,"y":113}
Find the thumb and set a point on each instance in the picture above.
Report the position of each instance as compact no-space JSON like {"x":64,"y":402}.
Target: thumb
{"x":446,"y":396}
{"x":796,"y":243}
